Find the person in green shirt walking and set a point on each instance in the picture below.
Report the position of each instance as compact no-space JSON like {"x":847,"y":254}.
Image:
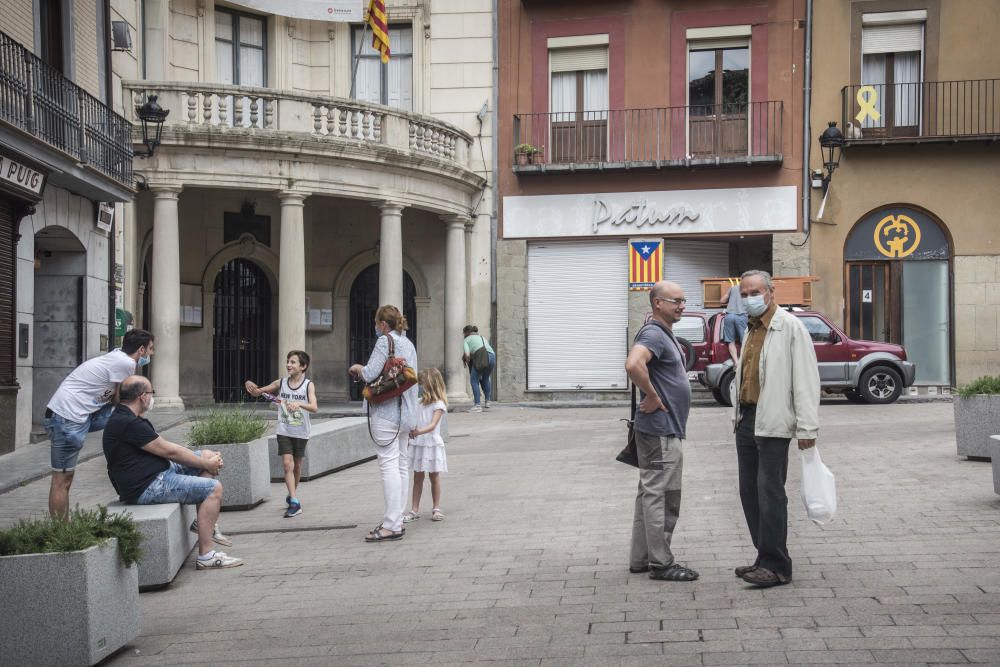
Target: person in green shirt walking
{"x":481,"y":360}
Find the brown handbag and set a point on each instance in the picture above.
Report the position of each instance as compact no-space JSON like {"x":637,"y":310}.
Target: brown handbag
{"x":395,"y":378}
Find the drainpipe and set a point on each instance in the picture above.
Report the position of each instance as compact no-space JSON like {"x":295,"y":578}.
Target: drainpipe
{"x":806,"y":130}
{"x":494,"y":144}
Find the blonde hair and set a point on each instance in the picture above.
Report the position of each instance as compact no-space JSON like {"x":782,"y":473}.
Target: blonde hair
{"x":432,"y":385}
{"x":391,"y":316}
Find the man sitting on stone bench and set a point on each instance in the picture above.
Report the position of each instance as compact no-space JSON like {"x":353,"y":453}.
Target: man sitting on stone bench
{"x":147,"y":469}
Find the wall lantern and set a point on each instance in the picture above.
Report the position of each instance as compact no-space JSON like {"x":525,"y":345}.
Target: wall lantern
{"x":152,"y":117}
{"x":832,"y":144}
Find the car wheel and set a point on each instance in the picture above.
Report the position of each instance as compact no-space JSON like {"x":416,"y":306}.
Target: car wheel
{"x":689,"y":354}
{"x":853,"y":396}
{"x":726,"y":393}
{"x":880,"y":385}
{"x":717,"y":395}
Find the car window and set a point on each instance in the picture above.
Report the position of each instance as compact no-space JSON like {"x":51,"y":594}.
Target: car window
{"x":818,"y":330}
{"x":691,"y":328}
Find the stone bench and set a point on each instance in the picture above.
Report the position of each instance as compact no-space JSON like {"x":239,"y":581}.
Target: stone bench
{"x":167,"y":542}
{"x":334,"y":445}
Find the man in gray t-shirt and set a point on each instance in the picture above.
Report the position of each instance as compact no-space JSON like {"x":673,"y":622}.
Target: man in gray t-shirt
{"x":656,"y":366}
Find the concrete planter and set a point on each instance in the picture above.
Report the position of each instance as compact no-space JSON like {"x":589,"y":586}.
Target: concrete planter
{"x":245,"y":476}
{"x":976,"y":419}
{"x":73,"y":608}
{"x":995,"y":453}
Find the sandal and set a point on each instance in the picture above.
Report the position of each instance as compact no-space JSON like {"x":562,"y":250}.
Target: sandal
{"x":743,"y":569}
{"x":437,"y":515}
{"x":675,"y":572}
{"x":764,"y":578}
{"x":376,"y":535}
{"x":411,"y":516}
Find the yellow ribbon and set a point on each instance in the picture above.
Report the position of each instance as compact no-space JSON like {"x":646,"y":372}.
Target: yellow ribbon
{"x":867,"y":99}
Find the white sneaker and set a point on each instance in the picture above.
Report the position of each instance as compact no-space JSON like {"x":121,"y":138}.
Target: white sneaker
{"x":217,"y":562}
{"x":486,"y":405}
{"x":476,"y":408}
{"x":217,"y":535}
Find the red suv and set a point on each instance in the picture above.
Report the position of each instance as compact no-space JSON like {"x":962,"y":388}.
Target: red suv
{"x":864,"y":371}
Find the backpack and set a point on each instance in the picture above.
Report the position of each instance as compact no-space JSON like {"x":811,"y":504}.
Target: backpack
{"x":481,"y":358}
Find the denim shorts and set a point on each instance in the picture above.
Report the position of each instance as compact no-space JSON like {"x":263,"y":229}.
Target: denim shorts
{"x":67,"y":436}
{"x":733,"y":327}
{"x":178,"y":484}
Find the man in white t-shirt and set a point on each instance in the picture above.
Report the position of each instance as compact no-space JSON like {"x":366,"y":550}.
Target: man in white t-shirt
{"x":83,"y":404}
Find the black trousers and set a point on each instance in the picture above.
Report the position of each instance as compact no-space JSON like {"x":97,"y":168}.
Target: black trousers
{"x":763,"y":468}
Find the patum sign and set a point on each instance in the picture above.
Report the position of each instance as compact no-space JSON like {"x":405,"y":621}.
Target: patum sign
{"x":640,"y":214}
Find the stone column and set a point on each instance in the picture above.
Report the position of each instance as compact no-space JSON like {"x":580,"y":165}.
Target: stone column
{"x":165,"y":298}
{"x":390,"y":255}
{"x":455,"y":306}
{"x":291,"y":275}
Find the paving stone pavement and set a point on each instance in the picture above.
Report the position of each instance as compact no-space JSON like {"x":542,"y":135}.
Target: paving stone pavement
{"x":530,"y":566}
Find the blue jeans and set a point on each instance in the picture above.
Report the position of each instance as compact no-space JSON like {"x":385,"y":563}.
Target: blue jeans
{"x":483,"y":379}
{"x":733,"y":327}
{"x":178,"y":484}
{"x":67,"y":436}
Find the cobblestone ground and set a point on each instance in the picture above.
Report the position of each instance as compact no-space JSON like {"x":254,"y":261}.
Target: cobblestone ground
{"x":530,"y":565}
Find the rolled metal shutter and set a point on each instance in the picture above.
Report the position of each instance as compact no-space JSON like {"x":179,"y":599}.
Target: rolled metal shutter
{"x":8,"y":294}
{"x":577,"y":315}
{"x":578,"y":58}
{"x":687,"y":262}
{"x":900,"y":38}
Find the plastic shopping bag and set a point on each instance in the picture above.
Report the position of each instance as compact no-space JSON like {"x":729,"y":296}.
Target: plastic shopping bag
{"x":819,"y":490}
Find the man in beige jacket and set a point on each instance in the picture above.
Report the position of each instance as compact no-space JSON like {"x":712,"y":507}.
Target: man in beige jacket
{"x":778,"y":386}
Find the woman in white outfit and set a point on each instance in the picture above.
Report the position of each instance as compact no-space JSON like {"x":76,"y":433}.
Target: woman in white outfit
{"x":391,"y":421}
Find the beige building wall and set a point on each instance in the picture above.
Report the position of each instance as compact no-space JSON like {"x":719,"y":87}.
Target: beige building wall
{"x":956,"y":182}
{"x":17,"y":20}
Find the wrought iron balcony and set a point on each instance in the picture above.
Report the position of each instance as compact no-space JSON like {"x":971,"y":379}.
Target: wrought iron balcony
{"x":37,"y":99}
{"x":627,"y":139}
{"x":925,"y":112}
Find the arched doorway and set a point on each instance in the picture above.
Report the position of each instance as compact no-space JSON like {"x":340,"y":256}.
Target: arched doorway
{"x":241,"y":344}
{"x":363,"y":304}
{"x":897,"y":275}
{"x":60,"y":283}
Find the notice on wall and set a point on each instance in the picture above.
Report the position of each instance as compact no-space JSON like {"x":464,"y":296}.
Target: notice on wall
{"x":866,"y":296}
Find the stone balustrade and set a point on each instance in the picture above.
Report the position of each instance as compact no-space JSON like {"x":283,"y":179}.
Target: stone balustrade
{"x":214,"y":106}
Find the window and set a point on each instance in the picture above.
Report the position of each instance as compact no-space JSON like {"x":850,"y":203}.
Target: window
{"x":579,"y":103}
{"x":239,"y":48}
{"x":50,"y":20}
{"x":718,"y":96}
{"x":818,"y":330}
{"x":892,"y":64}
{"x":390,"y":84}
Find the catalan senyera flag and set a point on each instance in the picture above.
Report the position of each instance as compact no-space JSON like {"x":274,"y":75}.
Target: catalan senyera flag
{"x":379,"y":22}
{"x":645,"y":264}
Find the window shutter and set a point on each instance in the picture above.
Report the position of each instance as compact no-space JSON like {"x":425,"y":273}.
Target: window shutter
{"x":8,"y":277}
{"x":577,"y":315}
{"x":579,"y":58}
{"x":892,"y":38}
{"x":687,"y":262}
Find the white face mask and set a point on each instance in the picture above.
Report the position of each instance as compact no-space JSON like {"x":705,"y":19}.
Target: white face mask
{"x":152,"y":399}
{"x":755,"y":305}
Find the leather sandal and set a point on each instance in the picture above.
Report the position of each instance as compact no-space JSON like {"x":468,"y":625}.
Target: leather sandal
{"x":675,"y":572}
{"x":376,"y":535}
{"x":765,"y":578}
{"x":743,"y":569}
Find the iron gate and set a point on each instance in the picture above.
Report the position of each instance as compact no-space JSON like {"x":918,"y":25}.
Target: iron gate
{"x":364,"y":303}
{"x":241,"y":344}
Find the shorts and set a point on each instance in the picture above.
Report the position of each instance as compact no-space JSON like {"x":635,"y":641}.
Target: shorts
{"x":67,"y":436}
{"x":733,"y":328}
{"x":178,"y":484}
{"x":294,"y":446}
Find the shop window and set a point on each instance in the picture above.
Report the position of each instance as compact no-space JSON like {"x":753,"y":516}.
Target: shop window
{"x":578,"y":104}
{"x":392,"y":83}
{"x":892,"y":63}
{"x":718,"y":97}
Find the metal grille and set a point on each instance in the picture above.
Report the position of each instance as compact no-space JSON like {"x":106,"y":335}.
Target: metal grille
{"x":241,"y":345}
{"x":38,"y":99}
{"x":364,"y":303}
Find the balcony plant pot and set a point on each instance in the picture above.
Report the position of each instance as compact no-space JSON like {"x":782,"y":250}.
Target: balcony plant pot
{"x":70,"y":607}
{"x":238,"y":435}
{"x":522,"y":159}
{"x":977,"y":417}
{"x":538,"y":157}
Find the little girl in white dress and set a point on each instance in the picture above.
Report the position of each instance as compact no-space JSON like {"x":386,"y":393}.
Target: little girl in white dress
{"x":426,"y":447}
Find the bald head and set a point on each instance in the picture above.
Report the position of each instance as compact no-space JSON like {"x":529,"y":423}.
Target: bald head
{"x":665,"y":289}
{"x":667,"y":299}
{"x":132,"y":388}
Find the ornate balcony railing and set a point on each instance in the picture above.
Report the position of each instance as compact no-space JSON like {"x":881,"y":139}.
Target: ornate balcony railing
{"x":924,"y":112}
{"x":213,"y":106}
{"x":649,"y":138}
{"x":39,"y":100}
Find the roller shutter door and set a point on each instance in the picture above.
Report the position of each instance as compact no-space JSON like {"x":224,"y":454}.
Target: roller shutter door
{"x":687,"y":262}
{"x":8,"y":293}
{"x":577,"y":315}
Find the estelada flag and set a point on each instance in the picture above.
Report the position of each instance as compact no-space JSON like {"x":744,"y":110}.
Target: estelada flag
{"x":645,"y":264}
{"x":379,"y":22}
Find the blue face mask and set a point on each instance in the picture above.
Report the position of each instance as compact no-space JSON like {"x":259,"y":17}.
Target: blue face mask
{"x":144,"y":361}
{"x":378,"y":332}
{"x":755,"y":305}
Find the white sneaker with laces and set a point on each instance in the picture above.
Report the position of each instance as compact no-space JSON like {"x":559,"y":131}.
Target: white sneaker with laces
{"x":476,"y":408}
{"x":217,"y":535}
{"x":218,"y":561}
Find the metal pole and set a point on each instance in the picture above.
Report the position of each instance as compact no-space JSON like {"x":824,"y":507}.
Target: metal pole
{"x":357,"y":59}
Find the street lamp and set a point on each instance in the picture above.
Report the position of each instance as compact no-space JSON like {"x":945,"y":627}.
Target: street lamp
{"x":152,"y":117}
{"x":832,"y":144}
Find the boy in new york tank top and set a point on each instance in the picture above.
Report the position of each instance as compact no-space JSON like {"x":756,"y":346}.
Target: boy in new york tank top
{"x":296,"y":399}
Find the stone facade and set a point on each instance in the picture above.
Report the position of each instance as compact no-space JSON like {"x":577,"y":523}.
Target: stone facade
{"x":977,"y":317}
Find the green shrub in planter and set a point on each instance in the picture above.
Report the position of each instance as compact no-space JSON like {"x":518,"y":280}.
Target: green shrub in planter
{"x":84,"y":529}
{"x":220,"y":426}
{"x":987,"y":384}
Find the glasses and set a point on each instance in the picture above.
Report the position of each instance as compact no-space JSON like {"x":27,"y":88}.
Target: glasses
{"x":676,"y":302}
{"x":151,"y":391}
